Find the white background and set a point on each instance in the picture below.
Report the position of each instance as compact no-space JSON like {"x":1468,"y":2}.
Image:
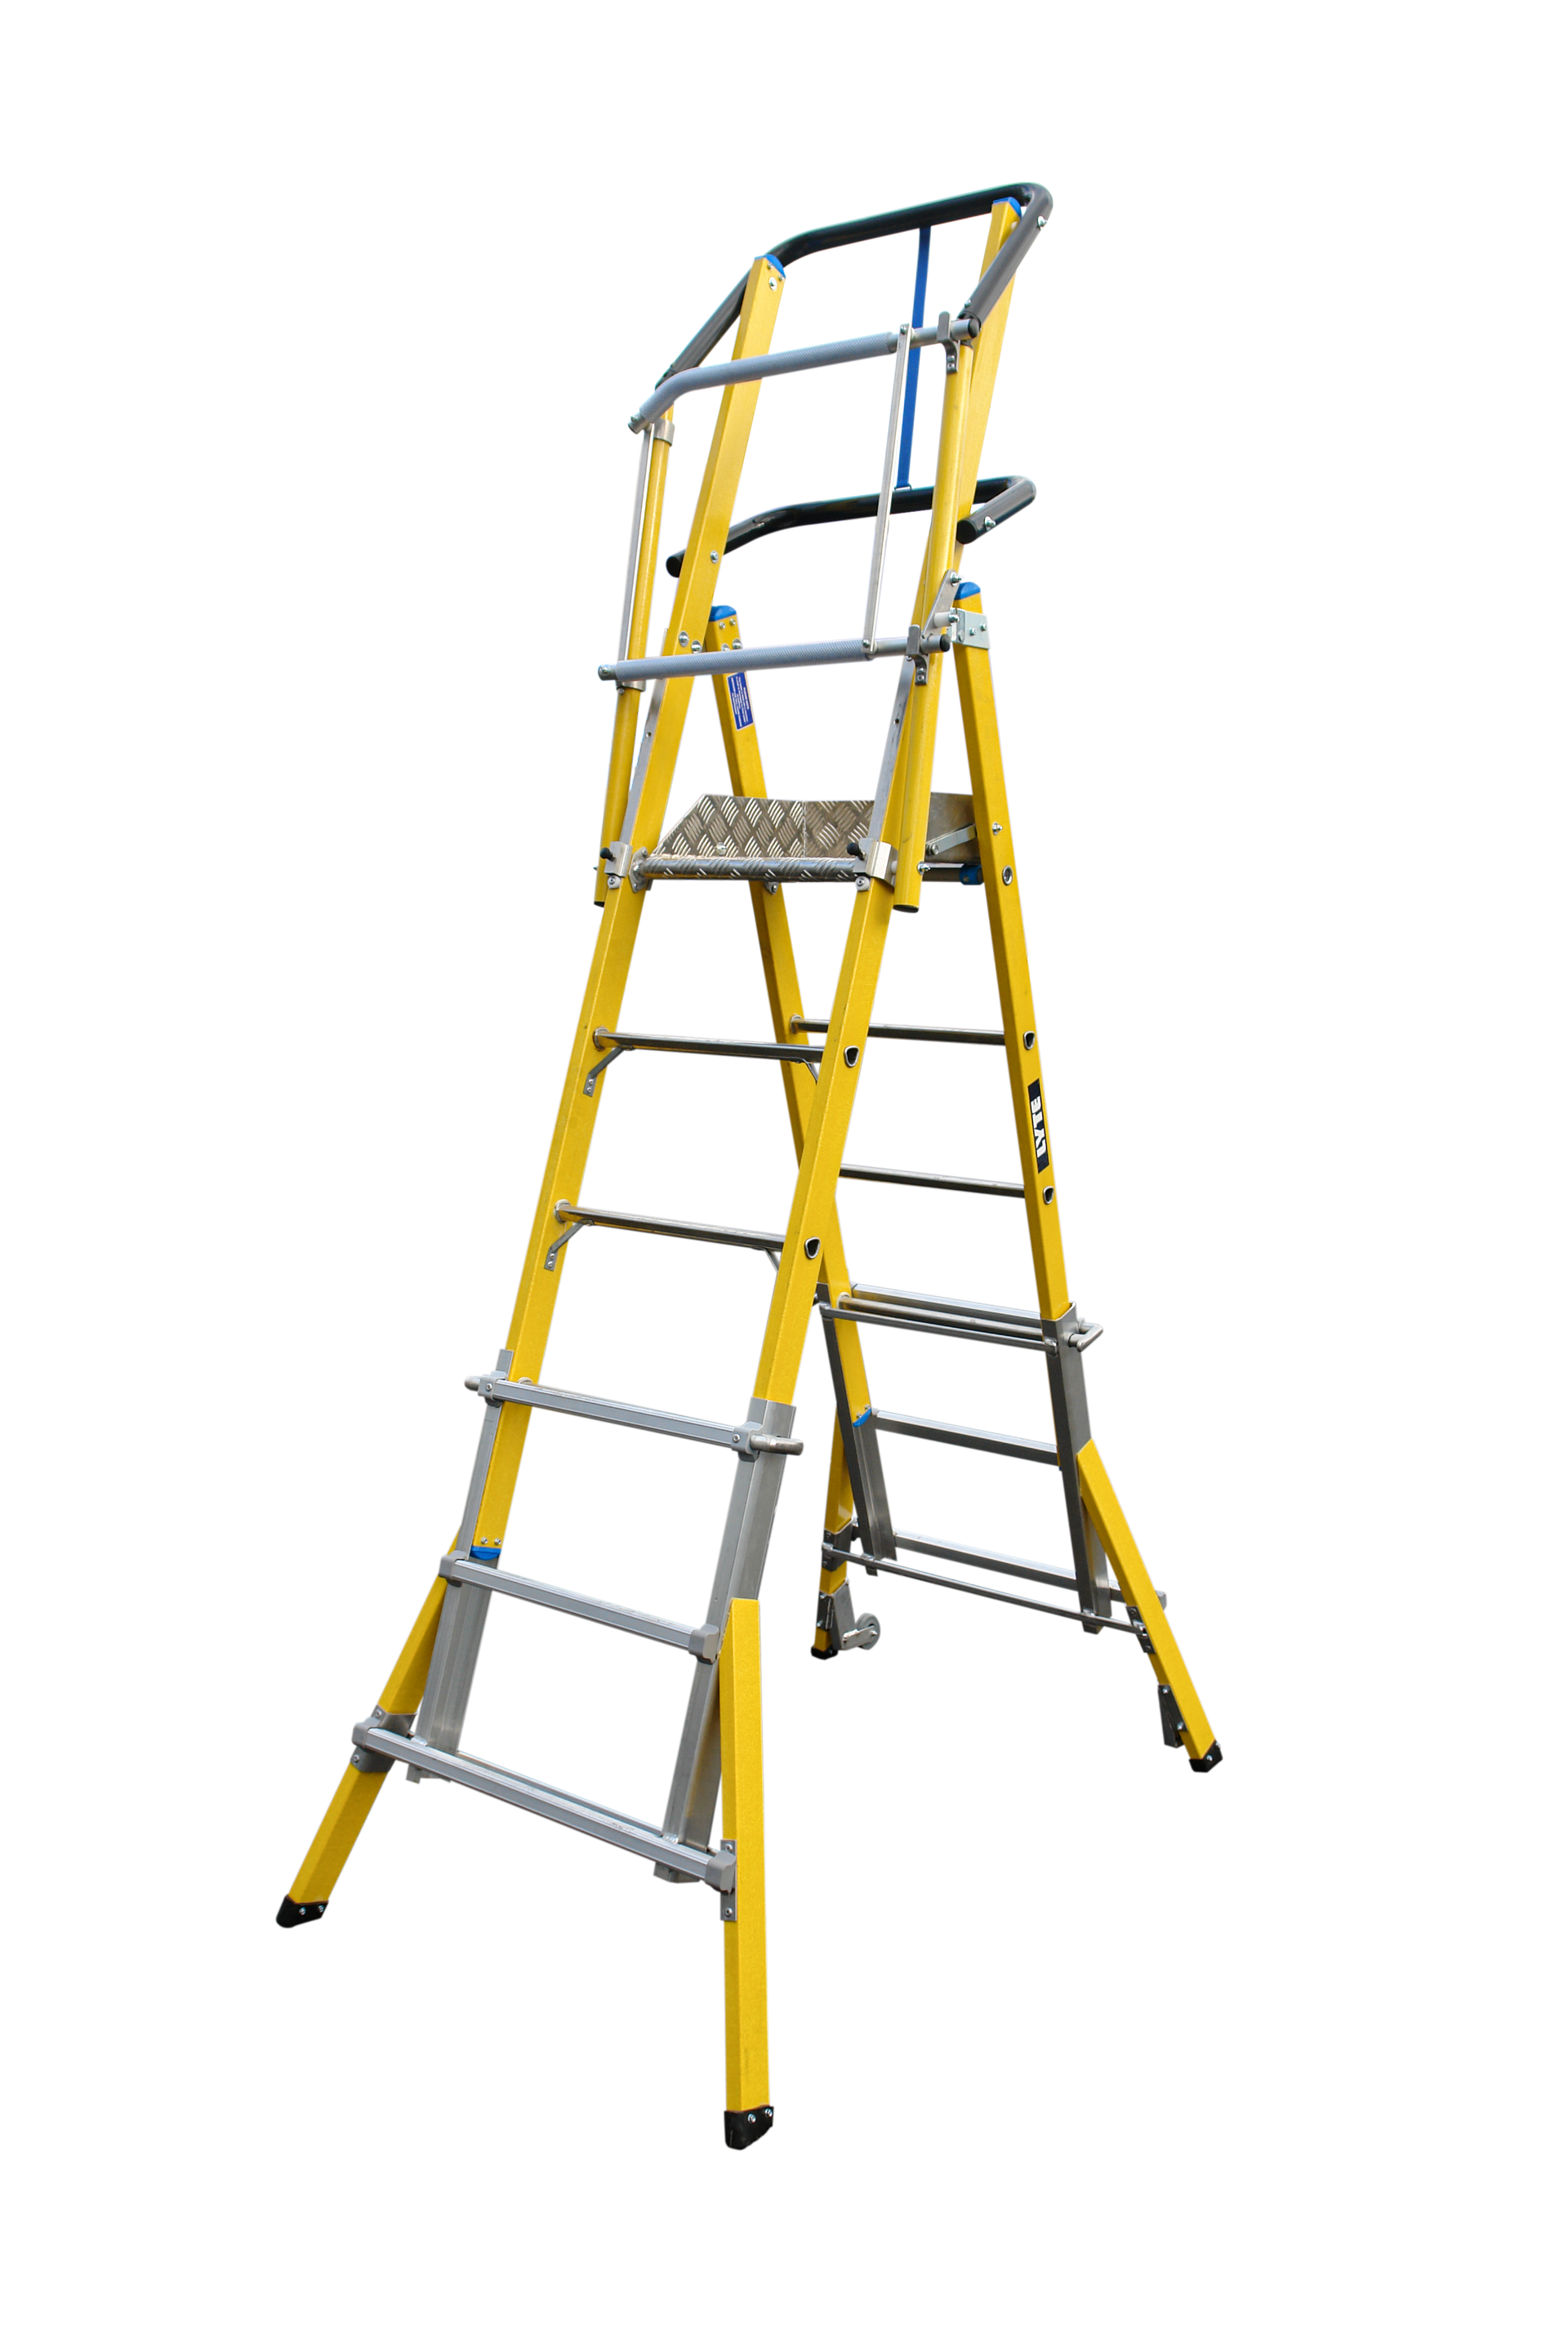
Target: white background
{"x":322,"y":327}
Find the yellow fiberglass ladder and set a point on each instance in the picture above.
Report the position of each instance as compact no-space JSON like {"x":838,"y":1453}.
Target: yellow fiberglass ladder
{"x":882,"y":849}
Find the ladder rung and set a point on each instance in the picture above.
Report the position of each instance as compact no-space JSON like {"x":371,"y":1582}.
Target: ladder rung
{"x":741,"y":1437}
{"x":1026,"y":1318}
{"x":702,"y":1641}
{"x":657,"y":866}
{"x":914,"y":1037}
{"x":997,"y":1187}
{"x":876,"y":1565}
{"x":678,"y":1229}
{"x":942,"y":1326}
{"x":966,"y":1556}
{"x":949,"y":1432}
{"x":552,"y":1804}
{"x":951,"y":1318}
{"x":737,"y":1049}
{"x":828,"y":655}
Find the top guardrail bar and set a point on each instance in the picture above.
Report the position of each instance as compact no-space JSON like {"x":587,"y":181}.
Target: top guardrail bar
{"x":1033,"y":203}
{"x":671,"y":388}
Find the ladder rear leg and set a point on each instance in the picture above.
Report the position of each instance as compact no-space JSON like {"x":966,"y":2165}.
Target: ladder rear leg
{"x":1110,"y":1525}
{"x":362,"y":1783}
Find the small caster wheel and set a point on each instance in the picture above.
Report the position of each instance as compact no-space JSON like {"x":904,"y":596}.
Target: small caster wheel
{"x":870,"y":1629}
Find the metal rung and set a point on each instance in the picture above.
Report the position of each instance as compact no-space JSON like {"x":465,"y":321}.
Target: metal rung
{"x":913,"y":1036}
{"x":716,"y":1870}
{"x":732,"y":1048}
{"x":743,"y":1437}
{"x":948,"y":1433}
{"x":1026,"y":1318}
{"x":878,"y":1567}
{"x":677,"y":1229}
{"x":997,"y":1187}
{"x":830,"y":654}
{"x":657,"y":867}
{"x":1003,"y":1563}
{"x":921,"y":1303}
{"x":975,"y":1324}
{"x":702,"y":1641}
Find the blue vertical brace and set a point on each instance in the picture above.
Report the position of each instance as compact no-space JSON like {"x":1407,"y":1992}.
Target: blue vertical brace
{"x":911,"y":381}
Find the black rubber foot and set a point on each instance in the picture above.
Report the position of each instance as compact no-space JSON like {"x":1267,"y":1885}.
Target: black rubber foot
{"x":298,"y":1914}
{"x":1206,"y":1763}
{"x":823,"y":1655}
{"x":740,"y":2130}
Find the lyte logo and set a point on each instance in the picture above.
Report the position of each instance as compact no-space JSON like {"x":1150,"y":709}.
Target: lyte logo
{"x":1037,"y":1120}
{"x":740,"y":700}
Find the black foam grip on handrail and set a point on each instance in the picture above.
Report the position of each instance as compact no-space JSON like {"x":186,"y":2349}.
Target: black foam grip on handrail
{"x":1025,"y":193}
{"x":857,"y":509}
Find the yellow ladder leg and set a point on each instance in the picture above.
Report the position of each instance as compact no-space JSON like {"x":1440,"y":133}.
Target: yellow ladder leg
{"x":361,"y":1785}
{"x":747,"y":2113}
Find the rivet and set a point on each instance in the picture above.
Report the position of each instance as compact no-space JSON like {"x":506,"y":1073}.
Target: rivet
{"x":1006,"y":874}
{"x":813,"y":1245}
{"x":1028,"y":1041}
{"x":851,"y":1056}
{"x":995,"y":828}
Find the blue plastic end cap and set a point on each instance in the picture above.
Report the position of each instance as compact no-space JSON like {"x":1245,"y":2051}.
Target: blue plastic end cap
{"x":775,"y":263}
{"x":720,"y":611}
{"x":970,"y":874}
{"x":487,"y":1552}
{"x":967,"y":588}
{"x":1017,"y":207}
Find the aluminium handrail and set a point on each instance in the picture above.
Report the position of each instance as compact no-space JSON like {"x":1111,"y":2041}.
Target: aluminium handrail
{"x":1033,"y":203}
{"x":763,"y":364}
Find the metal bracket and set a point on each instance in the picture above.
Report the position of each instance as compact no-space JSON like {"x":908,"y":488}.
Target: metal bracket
{"x":970,"y":629}
{"x":617,"y":855}
{"x":591,"y":1081}
{"x":1080,"y":1336}
{"x":559,"y":1244}
{"x":1171,"y":1722}
{"x":946,"y":841}
{"x":364,"y":1760}
{"x":727,"y":1894}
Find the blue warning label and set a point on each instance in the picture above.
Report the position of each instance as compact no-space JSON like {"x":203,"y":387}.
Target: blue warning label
{"x":740,"y":700}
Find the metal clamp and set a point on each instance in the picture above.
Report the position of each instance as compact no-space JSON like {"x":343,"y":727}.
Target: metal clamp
{"x":364,"y":1760}
{"x":727,"y":1894}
